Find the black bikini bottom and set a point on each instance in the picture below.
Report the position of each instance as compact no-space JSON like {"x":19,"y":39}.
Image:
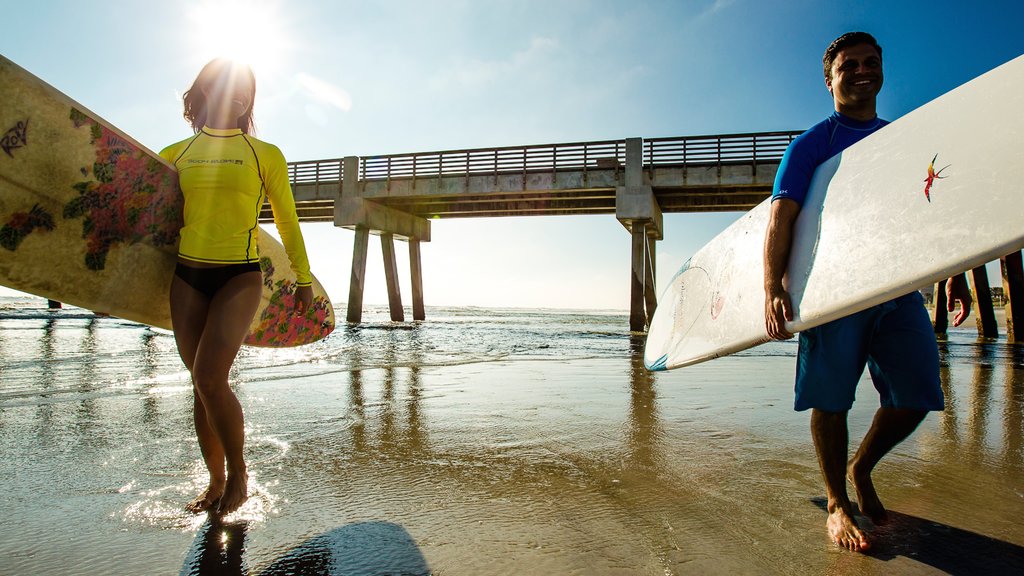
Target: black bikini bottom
{"x":210,"y":280}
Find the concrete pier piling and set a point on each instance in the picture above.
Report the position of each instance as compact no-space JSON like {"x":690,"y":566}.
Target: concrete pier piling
{"x":1013,"y":288}
{"x":358,"y":277}
{"x":387,"y":245}
{"x":416,"y":271}
{"x":984,"y":311}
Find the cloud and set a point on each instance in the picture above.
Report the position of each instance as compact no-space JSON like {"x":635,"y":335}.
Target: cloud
{"x":472,"y":73}
{"x":715,"y":7}
{"x":324,"y":92}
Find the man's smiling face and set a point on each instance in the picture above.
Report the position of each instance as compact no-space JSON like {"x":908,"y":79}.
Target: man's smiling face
{"x":856,"y":76}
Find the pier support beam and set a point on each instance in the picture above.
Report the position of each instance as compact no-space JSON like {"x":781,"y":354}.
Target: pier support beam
{"x":637,"y":317}
{"x":941,"y":320}
{"x":643,"y":298}
{"x":1013,"y":288}
{"x":358,"y":278}
{"x":985,"y":315}
{"x":415,"y":269}
{"x":650,"y":290}
{"x":387,"y":244}
{"x":353,"y":211}
{"x":638,"y":210}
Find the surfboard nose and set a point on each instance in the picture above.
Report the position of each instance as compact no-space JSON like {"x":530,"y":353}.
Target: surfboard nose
{"x":656,"y":347}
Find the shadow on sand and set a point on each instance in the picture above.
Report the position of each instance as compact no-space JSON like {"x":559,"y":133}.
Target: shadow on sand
{"x":362,"y":548}
{"x":945,"y":548}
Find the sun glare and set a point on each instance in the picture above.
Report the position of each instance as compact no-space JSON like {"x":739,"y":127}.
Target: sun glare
{"x":252,"y":32}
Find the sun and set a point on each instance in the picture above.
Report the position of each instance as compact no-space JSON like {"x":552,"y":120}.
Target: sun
{"x":252,"y":32}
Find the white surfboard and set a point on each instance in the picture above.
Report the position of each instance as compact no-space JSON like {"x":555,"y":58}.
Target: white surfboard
{"x":867,"y":232}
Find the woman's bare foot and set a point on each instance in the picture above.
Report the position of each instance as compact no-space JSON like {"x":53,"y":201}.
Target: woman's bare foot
{"x":867,"y":498}
{"x":207,"y":499}
{"x":236,"y":492}
{"x":843,"y":530}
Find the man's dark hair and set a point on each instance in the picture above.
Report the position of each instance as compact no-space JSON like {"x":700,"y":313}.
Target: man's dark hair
{"x":845,"y":41}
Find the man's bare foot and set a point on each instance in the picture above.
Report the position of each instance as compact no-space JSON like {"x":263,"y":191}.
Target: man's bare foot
{"x":843,"y":530}
{"x":867,"y":498}
{"x":236,"y":492}
{"x":207,"y":499}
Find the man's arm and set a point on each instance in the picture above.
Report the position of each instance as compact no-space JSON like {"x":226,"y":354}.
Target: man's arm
{"x":778,"y":308}
{"x":957,"y":290}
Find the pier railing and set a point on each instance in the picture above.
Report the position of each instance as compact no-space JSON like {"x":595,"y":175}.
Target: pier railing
{"x":724,"y":149}
{"x":751,"y":148}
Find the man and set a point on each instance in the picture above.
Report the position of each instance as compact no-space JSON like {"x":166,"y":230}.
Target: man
{"x":895,"y":339}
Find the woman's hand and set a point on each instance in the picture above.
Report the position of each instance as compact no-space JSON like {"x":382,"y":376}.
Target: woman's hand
{"x":303,"y":299}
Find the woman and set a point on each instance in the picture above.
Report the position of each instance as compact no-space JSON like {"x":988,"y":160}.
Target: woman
{"x":225,"y":175}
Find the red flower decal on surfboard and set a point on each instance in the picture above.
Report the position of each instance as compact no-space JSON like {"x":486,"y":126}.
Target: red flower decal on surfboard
{"x":21,"y":224}
{"x":932,"y":177}
{"x":121,"y":200}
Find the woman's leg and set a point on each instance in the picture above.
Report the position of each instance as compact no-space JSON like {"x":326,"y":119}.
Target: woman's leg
{"x":227,"y":322}
{"x":189,"y":308}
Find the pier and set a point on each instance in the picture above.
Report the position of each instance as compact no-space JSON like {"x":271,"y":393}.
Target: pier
{"x":396,"y":196}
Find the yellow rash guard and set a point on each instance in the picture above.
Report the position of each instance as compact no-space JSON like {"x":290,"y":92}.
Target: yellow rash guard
{"x":225,"y":176}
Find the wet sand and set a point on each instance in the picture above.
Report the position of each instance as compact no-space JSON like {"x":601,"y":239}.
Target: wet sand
{"x":585,"y":466}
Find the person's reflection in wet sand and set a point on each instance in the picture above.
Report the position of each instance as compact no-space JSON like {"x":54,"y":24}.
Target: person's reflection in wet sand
{"x":217,"y":550}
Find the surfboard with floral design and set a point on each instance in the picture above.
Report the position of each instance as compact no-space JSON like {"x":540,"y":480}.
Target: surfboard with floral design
{"x":90,"y":217}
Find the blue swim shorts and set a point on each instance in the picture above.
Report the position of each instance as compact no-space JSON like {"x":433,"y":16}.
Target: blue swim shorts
{"x":894,"y":339}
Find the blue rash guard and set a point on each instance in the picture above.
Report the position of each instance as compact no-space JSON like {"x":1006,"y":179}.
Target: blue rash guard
{"x":894,"y":339}
{"x":823,"y":141}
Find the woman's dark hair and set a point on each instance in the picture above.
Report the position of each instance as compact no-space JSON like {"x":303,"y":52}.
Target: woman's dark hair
{"x":845,"y":41}
{"x":214,"y":71}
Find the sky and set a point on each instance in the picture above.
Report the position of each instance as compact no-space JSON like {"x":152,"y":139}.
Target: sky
{"x":358,"y":78}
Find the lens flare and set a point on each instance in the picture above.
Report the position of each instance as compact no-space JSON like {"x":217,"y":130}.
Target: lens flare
{"x":254,"y":33}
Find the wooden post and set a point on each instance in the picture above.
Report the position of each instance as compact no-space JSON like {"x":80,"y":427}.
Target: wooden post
{"x":986,"y":316}
{"x":637,"y":318}
{"x":358,"y":279}
{"x":418,"y":312}
{"x":387,"y":244}
{"x":650,"y":290}
{"x":1013,"y":288}
{"x":941,"y":321}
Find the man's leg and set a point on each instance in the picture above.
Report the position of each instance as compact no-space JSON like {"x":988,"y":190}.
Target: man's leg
{"x":904,"y":366}
{"x":831,"y":441}
{"x":890,"y":427}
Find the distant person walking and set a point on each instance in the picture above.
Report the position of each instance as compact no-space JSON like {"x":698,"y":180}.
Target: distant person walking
{"x":225,"y":176}
{"x":894,"y":340}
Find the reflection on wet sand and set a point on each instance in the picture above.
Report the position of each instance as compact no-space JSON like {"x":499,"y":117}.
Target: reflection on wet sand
{"x":358,"y":549}
{"x":996,"y":381}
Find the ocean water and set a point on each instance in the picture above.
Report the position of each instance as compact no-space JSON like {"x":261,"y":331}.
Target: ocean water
{"x":480,"y":442}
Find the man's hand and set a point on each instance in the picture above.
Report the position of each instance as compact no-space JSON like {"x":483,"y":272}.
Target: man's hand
{"x":303,"y":299}
{"x":778,"y":308}
{"x":957,"y":290}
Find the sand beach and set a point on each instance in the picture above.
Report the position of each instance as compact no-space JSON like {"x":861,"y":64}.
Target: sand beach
{"x":482,"y":442}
